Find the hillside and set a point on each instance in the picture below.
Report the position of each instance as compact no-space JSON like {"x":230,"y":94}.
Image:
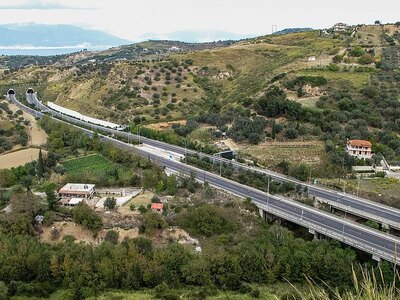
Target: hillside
{"x":315,"y":86}
{"x":182,"y":78}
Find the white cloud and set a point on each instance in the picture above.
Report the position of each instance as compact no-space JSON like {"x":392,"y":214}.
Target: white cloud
{"x":37,"y":4}
{"x":131,"y":19}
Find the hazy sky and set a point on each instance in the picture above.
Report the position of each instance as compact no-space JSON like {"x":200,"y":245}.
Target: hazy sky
{"x":130,"y":19}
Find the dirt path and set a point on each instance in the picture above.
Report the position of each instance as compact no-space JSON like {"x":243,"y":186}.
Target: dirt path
{"x":37,"y":135}
{"x":18,"y":158}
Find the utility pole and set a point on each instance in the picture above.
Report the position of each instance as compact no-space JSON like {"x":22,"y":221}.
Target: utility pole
{"x":341,"y":171}
{"x":358,"y":185}
{"x":268,"y":191}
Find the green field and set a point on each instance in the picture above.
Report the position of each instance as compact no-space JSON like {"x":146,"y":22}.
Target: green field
{"x":270,"y":154}
{"x":95,"y":163}
{"x":358,"y":79}
{"x":96,"y":169}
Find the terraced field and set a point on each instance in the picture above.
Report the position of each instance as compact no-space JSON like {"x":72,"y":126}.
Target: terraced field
{"x":271,"y":153}
{"x":357,"y":79}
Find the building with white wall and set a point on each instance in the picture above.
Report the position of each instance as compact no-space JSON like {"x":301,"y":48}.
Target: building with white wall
{"x":340,"y":27}
{"x":77,"y":190}
{"x":359,"y":148}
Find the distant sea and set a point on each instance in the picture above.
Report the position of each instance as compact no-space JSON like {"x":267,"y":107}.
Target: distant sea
{"x":47,"y":51}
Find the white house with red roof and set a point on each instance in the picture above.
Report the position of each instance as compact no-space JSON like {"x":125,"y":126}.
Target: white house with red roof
{"x":359,"y":148}
{"x":157,"y":207}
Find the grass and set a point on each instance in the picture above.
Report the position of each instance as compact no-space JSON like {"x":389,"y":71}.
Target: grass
{"x":367,"y":286}
{"x":95,"y":163}
{"x":96,"y":169}
{"x":358,"y":79}
{"x":267,"y":292}
{"x":295,"y":152}
{"x":141,"y":199}
{"x":253,"y":63}
{"x":369,"y":35}
{"x":383,"y":190}
{"x":389,"y":187}
{"x":69,"y":91}
{"x":384,"y":186}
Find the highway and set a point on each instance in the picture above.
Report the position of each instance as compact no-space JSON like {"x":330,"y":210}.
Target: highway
{"x":355,"y":205}
{"x":380,"y":245}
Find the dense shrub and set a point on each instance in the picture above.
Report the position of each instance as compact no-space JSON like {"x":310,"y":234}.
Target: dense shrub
{"x":84,"y":215}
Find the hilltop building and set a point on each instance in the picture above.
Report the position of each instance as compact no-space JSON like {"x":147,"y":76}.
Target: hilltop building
{"x":359,"y":148}
{"x":340,"y":27}
{"x":174,"y":49}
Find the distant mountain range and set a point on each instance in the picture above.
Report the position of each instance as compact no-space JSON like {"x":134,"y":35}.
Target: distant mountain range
{"x":39,"y":35}
{"x":41,"y":39}
{"x":196,"y":36}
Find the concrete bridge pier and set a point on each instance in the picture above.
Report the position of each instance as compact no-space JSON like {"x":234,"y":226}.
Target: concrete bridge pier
{"x":377,"y":259}
{"x":268,"y":217}
{"x":317,"y":235}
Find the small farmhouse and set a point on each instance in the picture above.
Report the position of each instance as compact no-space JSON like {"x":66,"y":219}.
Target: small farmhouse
{"x":77,"y":190}
{"x":359,"y":148}
{"x":340,"y":27}
{"x":157,"y":207}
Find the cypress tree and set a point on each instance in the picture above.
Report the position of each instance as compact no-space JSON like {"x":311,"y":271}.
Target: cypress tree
{"x":273,"y":133}
{"x":40,"y":165}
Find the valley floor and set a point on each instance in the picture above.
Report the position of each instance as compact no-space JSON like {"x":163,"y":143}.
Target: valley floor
{"x":18,"y":158}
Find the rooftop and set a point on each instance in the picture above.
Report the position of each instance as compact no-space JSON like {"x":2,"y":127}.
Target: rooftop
{"x":359,"y":143}
{"x":77,"y":187}
{"x":75,"y":201}
{"x":157,"y":206}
